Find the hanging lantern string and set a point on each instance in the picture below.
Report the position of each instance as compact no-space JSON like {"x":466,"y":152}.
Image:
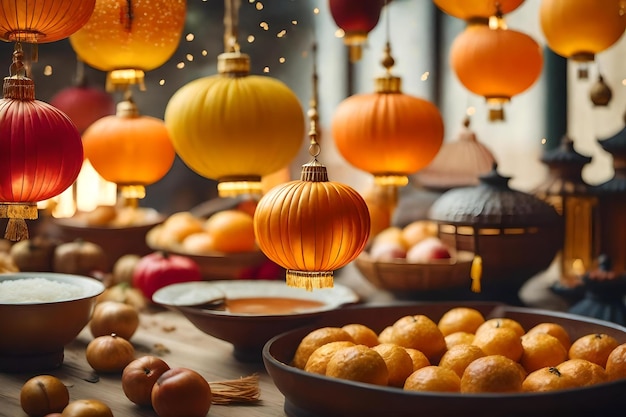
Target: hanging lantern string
{"x":388,"y":62}
{"x":17,"y":67}
{"x":231,"y":24}
{"x":314,"y":147}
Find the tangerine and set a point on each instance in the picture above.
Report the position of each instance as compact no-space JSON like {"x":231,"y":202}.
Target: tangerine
{"x":232,"y":231}
{"x":500,"y":341}
{"x":502,"y":322}
{"x":315,"y":339}
{"x":433,"y":378}
{"x":583,"y":372}
{"x":358,"y":363}
{"x":541,"y":350}
{"x":421,"y":333}
{"x":385,"y":336}
{"x":492,"y":373}
{"x":555,"y":330}
{"x":616,"y":363}
{"x":362,"y":334}
{"x":398,"y":361}
{"x":460,"y":319}
{"x":594,"y":347}
{"x":546,"y":379}
{"x":459,"y":356}
{"x":458,"y":338}
{"x":318,"y":360}
{"x":418,"y":358}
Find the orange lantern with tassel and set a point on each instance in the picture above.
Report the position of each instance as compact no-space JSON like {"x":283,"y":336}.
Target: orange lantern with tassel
{"x":388,"y":133}
{"x":41,"y":153}
{"x":235,"y":127}
{"x":583,"y":28}
{"x":129,"y":149}
{"x":127,"y":38}
{"x":356,"y":18}
{"x":312,"y":226}
{"x":476,"y":10}
{"x":496,"y":63}
{"x":41,"y":21}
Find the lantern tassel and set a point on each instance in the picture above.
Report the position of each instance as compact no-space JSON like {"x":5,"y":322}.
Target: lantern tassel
{"x":476,"y":273}
{"x":16,"y":230}
{"x":310,"y":280}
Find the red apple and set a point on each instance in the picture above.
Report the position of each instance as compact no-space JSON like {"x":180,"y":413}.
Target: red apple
{"x":139,"y":377}
{"x":181,"y":392}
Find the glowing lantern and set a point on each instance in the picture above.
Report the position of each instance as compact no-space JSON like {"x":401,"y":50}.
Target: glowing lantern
{"x":127,"y":38}
{"x":234,"y":127}
{"x":583,"y":28}
{"x":387,"y":133}
{"x":41,"y":153}
{"x":129,"y":149}
{"x":313,"y":226}
{"x":41,"y":21}
{"x":356,"y":18}
{"x":476,"y":10}
{"x":496,"y":63}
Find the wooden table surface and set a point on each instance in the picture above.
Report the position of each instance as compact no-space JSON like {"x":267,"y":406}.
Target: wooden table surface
{"x":162,"y":333}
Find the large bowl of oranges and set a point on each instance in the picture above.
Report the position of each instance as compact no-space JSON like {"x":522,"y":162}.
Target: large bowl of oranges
{"x":222,"y":244}
{"x":445,"y":359}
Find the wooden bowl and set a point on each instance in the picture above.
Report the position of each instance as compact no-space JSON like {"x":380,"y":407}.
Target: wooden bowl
{"x":34,"y":333}
{"x":312,"y":395}
{"x":248,"y":330}
{"x":400,"y":275}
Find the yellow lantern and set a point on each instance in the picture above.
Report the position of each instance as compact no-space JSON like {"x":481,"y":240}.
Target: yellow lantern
{"x":313,"y":226}
{"x":476,"y":10}
{"x":583,"y":28}
{"x":496,"y":63}
{"x":234,"y":127}
{"x":388,"y":133}
{"x":127,"y":38}
{"x":42,"y":21}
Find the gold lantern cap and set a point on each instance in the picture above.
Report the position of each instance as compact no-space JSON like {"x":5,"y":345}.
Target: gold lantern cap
{"x":18,"y":86}
{"x":388,"y":83}
{"x":233,"y":63}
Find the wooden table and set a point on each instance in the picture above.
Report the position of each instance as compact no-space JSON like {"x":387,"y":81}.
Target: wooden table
{"x":162,"y":333}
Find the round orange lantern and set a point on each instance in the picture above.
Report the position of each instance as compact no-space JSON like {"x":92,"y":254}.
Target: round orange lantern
{"x":580,"y":29}
{"x":356,"y":18}
{"x":387,"y":133}
{"x":234,"y":127}
{"x":41,"y":21}
{"x":477,"y":10}
{"x":127,"y":38}
{"x":129,"y":149}
{"x":496,"y":63}
{"x":41,"y":155}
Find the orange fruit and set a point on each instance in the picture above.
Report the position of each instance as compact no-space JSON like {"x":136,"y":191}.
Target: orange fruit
{"x":358,"y":363}
{"x":555,"y":330}
{"x":180,"y":225}
{"x":492,"y":373}
{"x":319,"y":358}
{"x":385,"y":336}
{"x":418,"y":358}
{"x":418,"y":230}
{"x":616,"y":363}
{"x":583,"y":372}
{"x":541,"y":350}
{"x":545,"y":379}
{"x":198,"y":243}
{"x":594,"y":347}
{"x":502,"y":322}
{"x":460,"y":319}
{"x":433,"y":378}
{"x":459,"y":356}
{"x":232,"y":231}
{"x":362,"y":334}
{"x":421,"y":333}
{"x":500,"y":341}
{"x":315,"y":339}
{"x":391,"y":234}
{"x":398,"y":361}
{"x":458,"y":338}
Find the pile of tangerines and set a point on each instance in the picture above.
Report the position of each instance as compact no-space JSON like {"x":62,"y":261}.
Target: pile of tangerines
{"x":463,"y":352}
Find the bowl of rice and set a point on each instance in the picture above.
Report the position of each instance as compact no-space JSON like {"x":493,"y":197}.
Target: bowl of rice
{"x":40,"y":313}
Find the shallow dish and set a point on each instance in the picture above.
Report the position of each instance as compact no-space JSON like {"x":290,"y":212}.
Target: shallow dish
{"x":312,"y":395}
{"x":264,"y":309}
{"x":34,"y":334}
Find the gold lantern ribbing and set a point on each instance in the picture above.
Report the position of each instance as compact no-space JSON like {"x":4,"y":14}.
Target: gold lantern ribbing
{"x":234,"y":127}
{"x":313,"y":226}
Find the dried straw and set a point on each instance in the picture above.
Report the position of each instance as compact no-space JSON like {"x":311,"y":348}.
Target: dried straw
{"x":242,"y":390}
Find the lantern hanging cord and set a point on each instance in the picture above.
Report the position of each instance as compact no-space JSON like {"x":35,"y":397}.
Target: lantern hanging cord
{"x":314,"y":147}
{"x":17,"y":68}
{"x":231,"y":24}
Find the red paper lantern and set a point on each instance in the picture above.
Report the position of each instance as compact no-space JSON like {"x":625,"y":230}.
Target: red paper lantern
{"x":42,"y":151}
{"x":41,"y":21}
{"x":84,"y":104}
{"x":357,"y":18}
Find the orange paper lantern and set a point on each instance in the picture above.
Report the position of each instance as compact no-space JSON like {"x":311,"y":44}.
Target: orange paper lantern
{"x":127,"y":38}
{"x":129,"y":149}
{"x":477,"y":10}
{"x":496,"y":64}
{"x":41,"y":21}
{"x":580,"y":29}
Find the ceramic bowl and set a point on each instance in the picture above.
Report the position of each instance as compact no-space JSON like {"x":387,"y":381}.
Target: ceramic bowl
{"x":247,"y":313}
{"x":34,"y":333}
{"x":312,"y":395}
